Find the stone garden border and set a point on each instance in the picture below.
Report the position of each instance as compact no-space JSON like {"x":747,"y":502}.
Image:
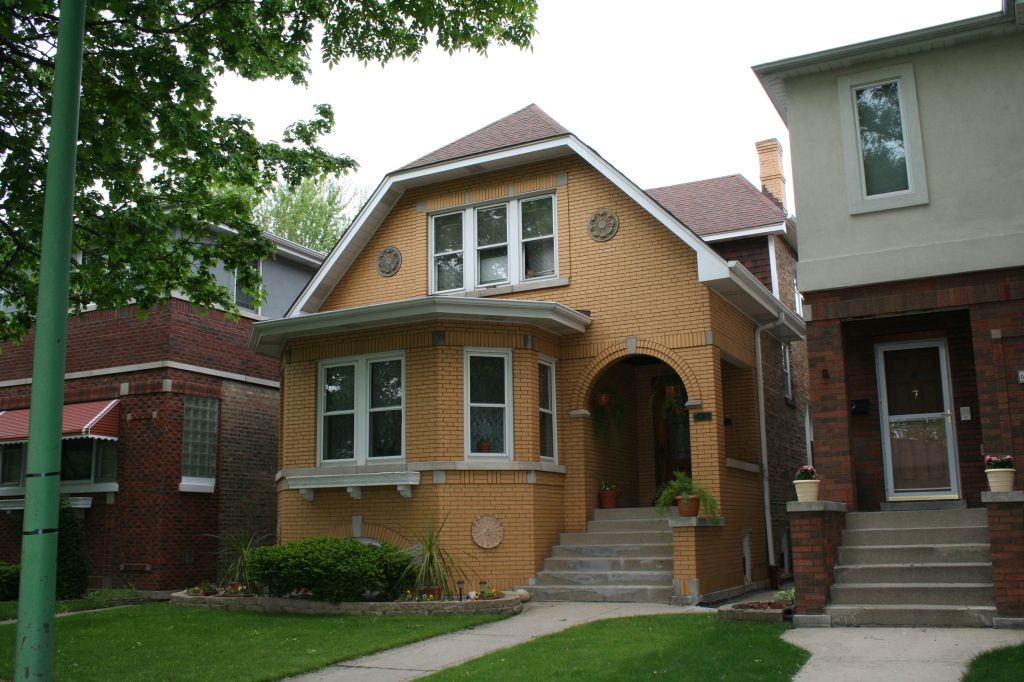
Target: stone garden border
{"x":508,"y":605}
{"x":738,"y":612}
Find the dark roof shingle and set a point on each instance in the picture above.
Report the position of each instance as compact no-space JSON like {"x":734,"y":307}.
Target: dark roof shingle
{"x":529,"y":124}
{"x":718,"y":205}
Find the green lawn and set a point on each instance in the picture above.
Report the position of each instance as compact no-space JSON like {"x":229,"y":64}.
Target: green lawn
{"x":684,"y":647}
{"x":99,"y":599}
{"x":158,"y":642}
{"x":999,"y":665}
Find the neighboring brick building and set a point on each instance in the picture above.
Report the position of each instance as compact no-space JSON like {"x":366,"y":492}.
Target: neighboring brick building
{"x":191,"y":444}
{"x":444,"y":361}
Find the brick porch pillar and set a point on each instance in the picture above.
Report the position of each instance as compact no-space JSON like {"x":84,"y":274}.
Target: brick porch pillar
{"x":1006,"y":533}
{"x":815,"y":533}
{"x":830,"y":412}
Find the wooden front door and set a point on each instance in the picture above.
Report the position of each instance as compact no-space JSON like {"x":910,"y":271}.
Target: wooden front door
{"x":918,"y":440}
{"x":671,"y":441}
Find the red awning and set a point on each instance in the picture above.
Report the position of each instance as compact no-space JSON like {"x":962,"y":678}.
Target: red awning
{"x":81,"y":420}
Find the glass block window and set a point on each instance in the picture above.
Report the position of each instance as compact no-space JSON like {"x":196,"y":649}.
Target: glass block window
{"x":199,"y":452}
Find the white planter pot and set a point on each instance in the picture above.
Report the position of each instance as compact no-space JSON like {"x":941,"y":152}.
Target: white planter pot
{"x":1000,"y":480}
{"x":807,"y":491}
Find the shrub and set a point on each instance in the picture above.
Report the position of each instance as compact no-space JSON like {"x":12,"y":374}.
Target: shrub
{"x":332,"y":569}
{"x":10,"y":580}
{"x":72,"y":561}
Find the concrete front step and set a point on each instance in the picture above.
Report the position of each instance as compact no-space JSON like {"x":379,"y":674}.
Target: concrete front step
{"x":937,"y":594}
{"x":912,"y":615}
{"x":636,"y":537}
{"x":611,"y":593}
{"x":915,"y":554}
{"x":601,"y":578}
{"x":946,"y":518}
{"x":915,"y":573}
{"x":609,"y":564}
{"x":629,"y":526}
{"x":596,"y":550}
{"x":916,"y":536}
{"x":633,"y":513}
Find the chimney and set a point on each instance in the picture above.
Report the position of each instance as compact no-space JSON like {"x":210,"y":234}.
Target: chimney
{"x":773,"y":182}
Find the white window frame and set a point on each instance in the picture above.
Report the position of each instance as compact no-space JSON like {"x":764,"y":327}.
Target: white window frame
{"x":552,"y":391}
{"x":860,"y":202}
{"x":93,"y":466}
{"x":256,"y":310}
{"x":361,"y":411}
{"x":506,"y":354}
{"x":515,"y":242}
{"x":787,"y":371}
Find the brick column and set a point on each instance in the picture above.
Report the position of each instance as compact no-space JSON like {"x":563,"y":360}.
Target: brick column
{"x":816,"y":533}
{"x":1006,"y":533}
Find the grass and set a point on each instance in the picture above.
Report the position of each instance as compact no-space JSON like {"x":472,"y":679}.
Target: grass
{"x":682,"y":648}
{"x":999,"y":665}
{"x":159,"y":642}
{"x":94,"y":600}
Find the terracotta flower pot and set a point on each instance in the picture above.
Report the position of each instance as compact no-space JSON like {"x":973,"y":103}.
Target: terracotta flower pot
{"x":603,"y":399}
{"x":435,"y":591}
{"x":609,"y":499}
{"x":672,"y":391}
{"x":1000,"y":480}
{"x":483,"y":446}
{"x":807,"y":491}
{"x":690,"y":506}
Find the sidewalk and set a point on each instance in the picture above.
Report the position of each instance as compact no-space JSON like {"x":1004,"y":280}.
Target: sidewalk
{"x":904,"y":654}
{"x":431,"y":655}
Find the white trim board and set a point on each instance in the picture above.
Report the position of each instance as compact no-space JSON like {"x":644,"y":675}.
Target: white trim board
{"x":145,"y":366}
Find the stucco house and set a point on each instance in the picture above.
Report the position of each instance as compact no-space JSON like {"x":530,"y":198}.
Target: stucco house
{"x":170,"y":431}
{"x":444,"y":361}
{"x":908,"y":174}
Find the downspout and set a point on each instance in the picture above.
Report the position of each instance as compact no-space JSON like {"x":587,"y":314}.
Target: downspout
{"x":772,"y":567}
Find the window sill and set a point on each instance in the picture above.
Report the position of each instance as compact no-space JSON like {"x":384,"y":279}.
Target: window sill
{"x":193,"y":484}
{"x":790,"y":402}
{"x":67,"y":488}
{"x":352,"y":482}
{"x":438,"y":465}
{"x":512,"y":288}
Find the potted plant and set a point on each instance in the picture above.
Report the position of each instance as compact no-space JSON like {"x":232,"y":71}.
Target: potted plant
{"x":194,"y":591}
{"x":207,"y":589}
{"x":431,"y":566}
{"x":806,"y":484}
{"x":688,"y":495}
{"x":487,"y":592}
{"x":1000,"y":472}
{"x":483,"y":446}
{"x":609,"y":495}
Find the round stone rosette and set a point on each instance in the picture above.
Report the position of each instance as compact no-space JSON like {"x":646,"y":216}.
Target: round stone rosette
{"x":389,"y":260}
{"x":488,"y":531}
{"x":603,"y":225}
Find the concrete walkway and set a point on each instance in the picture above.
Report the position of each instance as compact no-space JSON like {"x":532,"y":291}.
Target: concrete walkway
{"x":431,"y":655}
{"x":904,"y":654}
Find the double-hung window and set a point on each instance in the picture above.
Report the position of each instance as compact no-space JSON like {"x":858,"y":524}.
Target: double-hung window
{"x":882,"y":139}
{"x":362,"y":409}
{"x":546,"y":405}
{"x":488,"y":408}
{"x":787,"y":373}
{"x":82,"y":460}
{"x":506,"y":243}
{"x":12,"y":457}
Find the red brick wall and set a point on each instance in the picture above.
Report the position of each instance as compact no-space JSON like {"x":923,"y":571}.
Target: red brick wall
{"x":752,"y":252}
{"x":816,"y":537}
{"x":1006,"y":533}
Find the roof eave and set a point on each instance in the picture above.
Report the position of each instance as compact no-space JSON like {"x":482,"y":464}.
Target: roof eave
{"x":745,"y":292}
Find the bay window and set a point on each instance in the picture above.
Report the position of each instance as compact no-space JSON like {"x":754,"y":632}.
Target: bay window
{"x":488,"y":403}
{"x":546,"y":404}
{"x":510,"y":242}
{"x":362,"y":409}
{"x":82,"y":460}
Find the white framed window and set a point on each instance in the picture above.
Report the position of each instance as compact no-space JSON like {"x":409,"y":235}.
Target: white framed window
{"x":502,"y":243}
{"x":798,"y":299}
{"x":12,"y":464}
{"x":787,"y":374}
{"x":82,"y":460}
{"x":362,"y":409}
{"x":243,"y":299}
{"x":488,"y":403}
{"x":546,"y":404}
{"x":882,"y":145}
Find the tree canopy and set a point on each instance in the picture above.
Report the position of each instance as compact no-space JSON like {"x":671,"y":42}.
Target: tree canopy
{"x":314,"y":213}
{"x":151,"y":149}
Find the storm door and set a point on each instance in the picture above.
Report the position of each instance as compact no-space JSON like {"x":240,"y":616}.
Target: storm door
{"x":918,"y":440}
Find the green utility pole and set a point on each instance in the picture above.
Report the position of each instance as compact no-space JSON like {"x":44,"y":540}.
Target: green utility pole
{"x":33,"y":656}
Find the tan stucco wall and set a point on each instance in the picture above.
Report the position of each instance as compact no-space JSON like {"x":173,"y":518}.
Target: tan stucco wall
{"x":969,"y":98}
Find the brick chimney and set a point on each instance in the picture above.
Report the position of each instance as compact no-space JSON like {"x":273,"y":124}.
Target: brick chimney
{"x":773,"y":182}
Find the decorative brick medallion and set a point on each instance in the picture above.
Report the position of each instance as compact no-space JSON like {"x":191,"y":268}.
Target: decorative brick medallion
{"x":388,"y":261}
{"x":488,"y":531}
{"x":603,"y":225}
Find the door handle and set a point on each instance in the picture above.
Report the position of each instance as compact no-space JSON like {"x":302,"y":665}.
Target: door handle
{"x":949,"y":416}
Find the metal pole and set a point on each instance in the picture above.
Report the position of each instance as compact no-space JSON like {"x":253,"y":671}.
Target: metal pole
{"x":33,"y":657}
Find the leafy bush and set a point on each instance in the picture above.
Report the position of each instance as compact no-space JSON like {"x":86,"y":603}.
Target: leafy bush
{"x":72,"y":561}
{"x":10,"y":580}
{"x":332,"y":569}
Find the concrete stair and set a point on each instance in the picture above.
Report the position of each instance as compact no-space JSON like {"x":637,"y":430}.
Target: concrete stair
{"x":914,"y":569}
{"x":625,"y":556}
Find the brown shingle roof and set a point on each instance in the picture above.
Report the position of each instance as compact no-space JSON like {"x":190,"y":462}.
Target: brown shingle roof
{"x":719,"y":205}
{"x":526,"y":125}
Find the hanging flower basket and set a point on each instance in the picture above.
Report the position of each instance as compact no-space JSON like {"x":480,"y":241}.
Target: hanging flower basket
{"x":672,"y":391}
{"x":603,"y":399}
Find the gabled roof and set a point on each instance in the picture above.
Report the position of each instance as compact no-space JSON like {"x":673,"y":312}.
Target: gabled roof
{"x":719,"y":205}
{"x":529,"y":124}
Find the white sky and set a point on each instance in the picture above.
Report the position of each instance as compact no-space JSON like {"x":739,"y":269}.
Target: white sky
{"x":661,"y":88}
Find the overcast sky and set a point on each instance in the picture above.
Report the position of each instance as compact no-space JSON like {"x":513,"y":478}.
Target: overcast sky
{"x":661,"y":88}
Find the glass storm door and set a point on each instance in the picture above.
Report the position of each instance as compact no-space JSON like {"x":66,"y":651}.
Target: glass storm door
{"x":918,"y":441}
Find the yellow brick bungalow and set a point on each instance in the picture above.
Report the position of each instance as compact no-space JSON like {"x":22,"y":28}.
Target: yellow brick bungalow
{"x":445,"y":358}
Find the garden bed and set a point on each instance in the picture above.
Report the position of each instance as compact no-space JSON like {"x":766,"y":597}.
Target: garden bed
{"x":507,"y":605}
{"x":757,"y":612}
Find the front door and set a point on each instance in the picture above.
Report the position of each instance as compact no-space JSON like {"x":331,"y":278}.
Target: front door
{"x":671,"y":440}
{"x":918,"y":441}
